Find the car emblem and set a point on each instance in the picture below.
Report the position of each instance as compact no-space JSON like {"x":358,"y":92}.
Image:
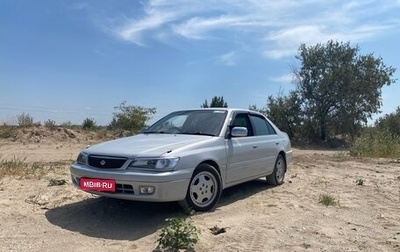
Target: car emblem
{"x":102,"y":162}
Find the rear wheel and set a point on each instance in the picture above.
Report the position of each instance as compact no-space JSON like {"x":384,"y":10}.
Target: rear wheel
{"x":204,"y":189}
{"x":277,"y":177}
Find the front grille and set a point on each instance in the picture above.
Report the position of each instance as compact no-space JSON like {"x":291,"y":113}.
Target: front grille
{"x":126,"y":189}
{"x":106,"y":162}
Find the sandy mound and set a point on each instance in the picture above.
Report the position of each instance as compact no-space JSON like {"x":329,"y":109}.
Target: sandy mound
{"x":43,"y":134}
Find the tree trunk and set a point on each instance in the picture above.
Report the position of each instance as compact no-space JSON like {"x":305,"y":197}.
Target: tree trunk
{"x":323,"y":129}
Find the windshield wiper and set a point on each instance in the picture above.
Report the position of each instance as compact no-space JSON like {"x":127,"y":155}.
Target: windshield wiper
{"x":198,"y":133}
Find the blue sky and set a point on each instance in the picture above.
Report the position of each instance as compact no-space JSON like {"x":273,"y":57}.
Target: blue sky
{"x":71,"y":60}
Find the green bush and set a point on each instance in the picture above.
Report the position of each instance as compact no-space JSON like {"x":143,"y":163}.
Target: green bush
{"x":327,"y":200}
{"x":179,"y":234}
{"x":89,"y":124}
{"x":376,"y":143}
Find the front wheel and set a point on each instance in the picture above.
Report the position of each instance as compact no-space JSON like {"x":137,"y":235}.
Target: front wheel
{"x":278,"y":175}
{"x":204,"y":189}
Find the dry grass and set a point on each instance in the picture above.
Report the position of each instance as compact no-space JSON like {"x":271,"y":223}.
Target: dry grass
{"x":19,"y":168}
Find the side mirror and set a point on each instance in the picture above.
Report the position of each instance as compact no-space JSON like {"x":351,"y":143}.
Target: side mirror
{"x":239,"y":132}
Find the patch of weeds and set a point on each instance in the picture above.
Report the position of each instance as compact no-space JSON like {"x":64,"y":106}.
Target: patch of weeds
{"x":37,"y":167}
{"x":50,"y":124}
{"x":360,"y":182}
{"x":376,"y":143}
{"x":188,"y":211}
{"x":58,"y":165}
{"x":321,"y":181}
{"x":7,"y":131}
{"x":178,"y":234}
{"x":14,"y":166}
{"x":18,"y":167}
{"x":327,"y":200}
{"x":57,"y":182}
{"x":341,"y":156}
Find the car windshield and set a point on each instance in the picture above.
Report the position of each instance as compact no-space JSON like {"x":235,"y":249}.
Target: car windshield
{"x":196,"y":122}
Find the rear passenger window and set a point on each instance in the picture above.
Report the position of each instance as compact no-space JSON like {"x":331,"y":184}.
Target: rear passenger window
{"x":270,"y":128}
{"x":261,"y":126}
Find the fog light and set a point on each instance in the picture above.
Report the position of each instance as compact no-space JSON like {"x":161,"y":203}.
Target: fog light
{"x":147,"y":189}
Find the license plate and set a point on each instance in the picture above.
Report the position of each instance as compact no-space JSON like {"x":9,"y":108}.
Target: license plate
{"x":102,"y":185}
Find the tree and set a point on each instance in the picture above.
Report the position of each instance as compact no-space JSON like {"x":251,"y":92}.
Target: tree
{"x":216,"y":102}
{"x":339,"y":88}
{"x":286,"y":112}
{"x":390,"y":123}
{"x":132,"y":118}
{"x":260,"y":110}
{"x":25,"y":119}
{"x":89,"y":124}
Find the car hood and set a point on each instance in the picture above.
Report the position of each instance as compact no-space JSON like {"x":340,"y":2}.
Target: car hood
{"x":145,"y":145}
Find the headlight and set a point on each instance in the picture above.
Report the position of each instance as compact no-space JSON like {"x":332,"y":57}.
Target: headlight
{"x":82,"y":158}
{"x":155,"y":163}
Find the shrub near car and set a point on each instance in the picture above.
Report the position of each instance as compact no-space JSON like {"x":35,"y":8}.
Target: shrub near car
{"x":188,"y":156}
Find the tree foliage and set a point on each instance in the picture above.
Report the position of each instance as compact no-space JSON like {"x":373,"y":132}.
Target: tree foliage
{"x":285,"y":112}
{"x":382,"y":140}
{"x":131,"y":118}
{"x":390,"y":123}
{"x":25,"y":119}
{"x":89,"y":124}
{"x":216,"y":102}
{"x":339,"y":89}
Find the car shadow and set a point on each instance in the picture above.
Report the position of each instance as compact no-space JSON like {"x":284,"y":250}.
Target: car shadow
{"x":243,"y":191}
{"x":116,"y":219}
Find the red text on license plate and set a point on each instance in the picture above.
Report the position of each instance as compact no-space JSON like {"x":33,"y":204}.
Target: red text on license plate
{"x":103,"y":185}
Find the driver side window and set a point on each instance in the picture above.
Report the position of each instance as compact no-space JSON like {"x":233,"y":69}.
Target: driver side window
{"x":242,"y":120}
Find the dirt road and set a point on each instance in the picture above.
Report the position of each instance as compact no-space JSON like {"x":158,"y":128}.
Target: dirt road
{"x":257,"y":217}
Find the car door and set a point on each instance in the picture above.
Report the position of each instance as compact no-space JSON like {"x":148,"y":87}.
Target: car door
{"x":266,"y":141}
{"x":241,"y":152}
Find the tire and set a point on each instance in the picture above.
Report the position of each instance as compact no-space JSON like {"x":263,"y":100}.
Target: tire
{"x":204,"y":189}
{"x":278,"y":175}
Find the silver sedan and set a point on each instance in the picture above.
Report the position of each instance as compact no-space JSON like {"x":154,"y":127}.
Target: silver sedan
{"x":188,"y":156}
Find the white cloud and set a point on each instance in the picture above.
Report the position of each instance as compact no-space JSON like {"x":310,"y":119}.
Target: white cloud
{"x":198,"y":28}
{"x":284,"y":79}
{"x":133,"y":30}
{"x":277,"y":26}
{"x":80,"y":6}
{"x":227,"y":59}
{"x":286,"y":41}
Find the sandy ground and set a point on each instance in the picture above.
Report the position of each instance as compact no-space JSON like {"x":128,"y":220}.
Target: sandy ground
{"x":257,"y":217}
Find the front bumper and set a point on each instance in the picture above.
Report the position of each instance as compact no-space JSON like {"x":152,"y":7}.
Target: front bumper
{"x":289,"y":156}
{"x":169,"y":186}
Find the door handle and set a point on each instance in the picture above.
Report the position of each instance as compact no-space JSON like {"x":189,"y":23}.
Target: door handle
{"x":255,"y":146}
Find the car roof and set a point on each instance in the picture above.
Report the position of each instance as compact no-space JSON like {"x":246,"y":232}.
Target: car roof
{"x":230,"y":110}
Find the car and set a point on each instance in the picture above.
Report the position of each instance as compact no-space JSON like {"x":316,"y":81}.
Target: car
{"x":188,"y":156}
